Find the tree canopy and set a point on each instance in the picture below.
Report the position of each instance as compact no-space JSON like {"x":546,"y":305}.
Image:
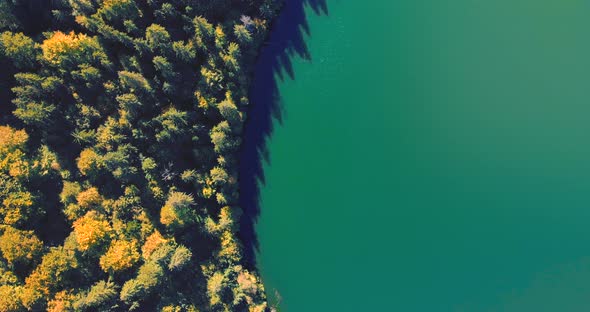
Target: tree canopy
{"x":118,"y":165}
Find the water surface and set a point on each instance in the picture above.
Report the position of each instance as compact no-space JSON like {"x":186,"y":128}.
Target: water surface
{"x":431,"y":156}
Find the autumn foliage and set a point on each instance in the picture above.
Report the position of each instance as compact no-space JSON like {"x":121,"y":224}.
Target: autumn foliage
{"x":118,"y":154}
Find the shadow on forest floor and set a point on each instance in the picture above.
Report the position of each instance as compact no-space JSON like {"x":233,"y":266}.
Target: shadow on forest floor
{"x":286,"y":41}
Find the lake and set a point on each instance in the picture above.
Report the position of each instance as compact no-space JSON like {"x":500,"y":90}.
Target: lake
{"x":423,"y":155}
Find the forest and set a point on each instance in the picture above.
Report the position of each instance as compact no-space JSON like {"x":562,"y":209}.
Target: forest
{"x":120,"y":122}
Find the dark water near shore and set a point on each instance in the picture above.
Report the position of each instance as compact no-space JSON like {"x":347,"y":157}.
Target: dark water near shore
{"x":423,"y":156}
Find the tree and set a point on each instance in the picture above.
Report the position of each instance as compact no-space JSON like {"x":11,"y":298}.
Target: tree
{"x":110,"y":134}
{"x":89,"y":198}
{"x":88,"y":76}
{"x":178,"y":211}
{"x":83,"y":7}
{"x":222,"y":138}
{"x":69,"y":192}
{"x":230,"y":112}
{"x":229,"y":218}
{"x":184,"y":52}
{"x":10,"y":298}
{"x":158,"y":39}
{"x":127,"y":205}
{"x":13,"y":159}
{"x":46,"y":161}
{"x":180,"y":258}
{"x":216,"y":285}
{"x":89,"y":162}
{"x":148,"y":278}
{"x":20,"y":247}
{"x":230,"y":251}
{"x":242,"y":34}
{"x":7,"y":18}
{"x":120,"y":162}
{"x":212,"y":77}
{"x":164,"y":67}
{"x":218,"y":176}
{"x":86,"y":200}
{"x":69,"y":50}
{"x":63,"y":301}
{"x":130,"y":104}
{"x":100,"y":297}
{"x":121,"y":255}
{"x":33,"y":95}
{"x":220,"y":38}
{"x":51,"y":275}
{"x":38,"y":114}
{"x":152,"y":242}
{"x":173,"y":123}
{"x":11,"y":140}
{"x":119,"y":10}
{"x":31,"y":101}
{"x":203,"y":32}
{"x":91,"y":231}
{"x":231,"y":58}
{"x":21,"y":49}
{"x":18,"y":208}
{"x":106,"y":88}
{"x":7,"y":277}
{"x":134,"y":82}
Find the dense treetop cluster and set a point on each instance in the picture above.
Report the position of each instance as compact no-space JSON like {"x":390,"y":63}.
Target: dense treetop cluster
{"x":119,"y":125}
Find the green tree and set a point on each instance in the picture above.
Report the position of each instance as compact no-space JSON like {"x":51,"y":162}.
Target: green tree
{"x":130,"y":104}
{"x":158,"y":39}
{"x":164,"y":67}
{"x":173,"y":124}
{"x":242,"y":34}
{"x":222,"y":138}
{"x":180,"y":258}
{"x":178,"y":211}
{"x":230,"y":112}
{"x":7,"y":18}
{"x":218,"y":176}
{"x":89,"y":162}
{"x":21,"y":49}
{"x":69,"y":192}
{"x":120,"y":162}
{"x":204,"y":32}
{"x":101,"y":297}
{"x":119,"y":10}
{"x":184,"y":52}
{"x":150,"y":275}
{"x":83,"y":7}
{"x":31,"y":95}
{"x":134,"y":82}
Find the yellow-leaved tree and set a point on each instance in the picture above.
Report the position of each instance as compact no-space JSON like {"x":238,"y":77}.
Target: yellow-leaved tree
{"x":91,"y":230}
{"x":12,"y":152}
{"x":89,"y":162}
{"x":122,"y":254}
{"x":21,"y":247}
{"x":65,"y":50}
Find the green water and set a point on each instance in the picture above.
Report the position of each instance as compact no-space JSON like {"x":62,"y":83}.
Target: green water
{"x":434,"y":156}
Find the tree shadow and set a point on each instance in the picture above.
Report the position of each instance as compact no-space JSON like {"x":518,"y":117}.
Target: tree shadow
{"x":274,"y":64}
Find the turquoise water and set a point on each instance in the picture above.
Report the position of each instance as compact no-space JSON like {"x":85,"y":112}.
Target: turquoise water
{"x":432,"y":156}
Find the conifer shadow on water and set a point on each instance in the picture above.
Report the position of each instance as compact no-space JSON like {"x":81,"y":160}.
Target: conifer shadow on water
{"x":274,"y":64}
